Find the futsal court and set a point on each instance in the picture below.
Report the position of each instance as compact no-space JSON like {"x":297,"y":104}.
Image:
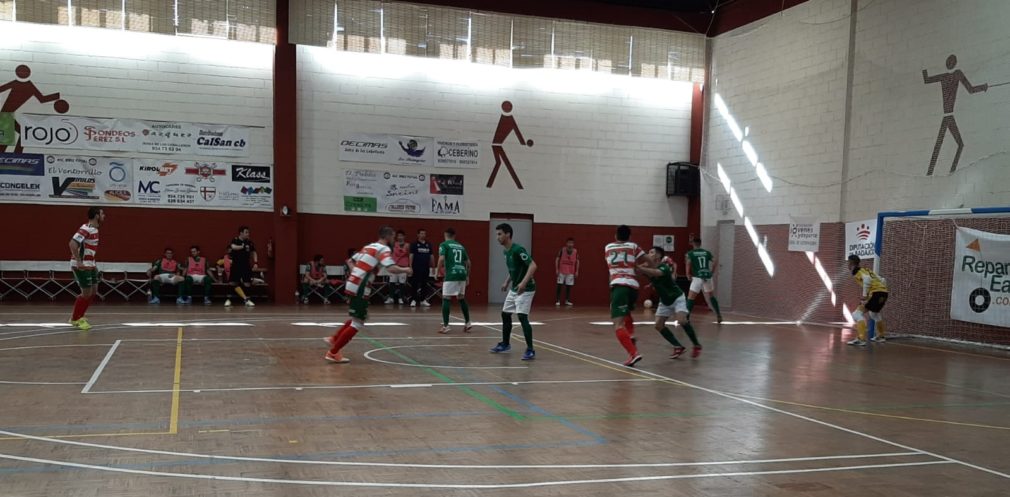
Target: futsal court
{"x":191,"y":402}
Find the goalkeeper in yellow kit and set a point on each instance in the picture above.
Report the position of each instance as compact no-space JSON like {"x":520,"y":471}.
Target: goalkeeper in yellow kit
{"x":872,"y":300}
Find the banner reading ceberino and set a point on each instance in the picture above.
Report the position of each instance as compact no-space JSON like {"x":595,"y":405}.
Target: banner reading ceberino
{"x":980,"y":292}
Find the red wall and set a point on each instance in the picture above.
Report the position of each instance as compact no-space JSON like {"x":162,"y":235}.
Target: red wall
{"x":332,"y":235}
{"x":130,"y":234}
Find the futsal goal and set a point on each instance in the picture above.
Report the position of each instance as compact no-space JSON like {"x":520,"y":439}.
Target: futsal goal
{"x":915,"y":252}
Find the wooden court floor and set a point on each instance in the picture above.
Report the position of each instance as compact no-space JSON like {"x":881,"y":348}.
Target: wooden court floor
{"x":207,"y":402}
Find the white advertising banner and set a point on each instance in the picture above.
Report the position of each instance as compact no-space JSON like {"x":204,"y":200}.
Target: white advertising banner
{"x":804,"y":235}
{"x":980,"y":292}
{"x":388,"y":149}
{"x":861,"y":238}
{"x":80,"y":177}
{"x":132,"y":135}
{"x":56,"y":179}
{"x":199,"y":184}
{"x":457,"y":153}
{"x":663,"y":241}
{"x":403,"y":193}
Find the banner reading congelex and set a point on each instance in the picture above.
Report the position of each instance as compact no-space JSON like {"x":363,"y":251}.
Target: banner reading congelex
{"x":132,"y":135}
{"x":980,"y":292}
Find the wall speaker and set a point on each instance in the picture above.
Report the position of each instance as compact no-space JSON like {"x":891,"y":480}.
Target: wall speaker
{"x":682,"y":179}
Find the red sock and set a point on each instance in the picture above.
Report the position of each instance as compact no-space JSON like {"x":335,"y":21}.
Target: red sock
{"x":629,"y":324}
{"x":625,"y":338}
{"x":345,"y":336}
{"x":78,"y":309}
{"x":87,"y":303}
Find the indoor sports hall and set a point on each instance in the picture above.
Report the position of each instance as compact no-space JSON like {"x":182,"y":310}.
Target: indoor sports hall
{"x":463,"y":247}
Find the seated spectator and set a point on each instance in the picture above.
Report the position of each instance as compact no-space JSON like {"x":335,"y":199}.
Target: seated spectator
{"x":315,"y":279}
{"x":163,"y":271}
{"x":222,"y":270}
{"x":196,"y":271}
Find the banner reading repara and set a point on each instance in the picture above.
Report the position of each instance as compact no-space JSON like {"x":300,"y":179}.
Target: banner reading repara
{"x":980,"y":292}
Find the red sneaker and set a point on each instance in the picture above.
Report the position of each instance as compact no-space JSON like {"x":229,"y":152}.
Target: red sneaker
{"x":677,"y":352}
{"x":696,"y":351}
{"x":632,"y":360}
{"x":336,"y":358}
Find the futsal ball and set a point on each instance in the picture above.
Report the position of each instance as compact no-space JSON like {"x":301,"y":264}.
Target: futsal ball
{"x":648,"y":304}
{"x":61,"y":106}
{"x":529,"y":143}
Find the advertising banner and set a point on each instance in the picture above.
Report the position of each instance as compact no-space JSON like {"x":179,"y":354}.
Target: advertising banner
{"x":980,"y":291}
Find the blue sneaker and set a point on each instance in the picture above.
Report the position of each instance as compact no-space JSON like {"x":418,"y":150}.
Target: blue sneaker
{"x":501,"y":347}
{"x":154,"y":300}
{"x":529,"y":355}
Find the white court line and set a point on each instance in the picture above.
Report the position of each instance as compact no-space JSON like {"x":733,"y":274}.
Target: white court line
{"x":380,"y":385}
{"x":37,"y":325}
{"x":98,"y":371}
{"x":788,"y":413}
{"x":335,"y":324}
{"x":462,"y":485}
{"x":272,"y":460}
{"x":199,"y":324}
{"x":368,"y":355}
{"x":26,"y":347}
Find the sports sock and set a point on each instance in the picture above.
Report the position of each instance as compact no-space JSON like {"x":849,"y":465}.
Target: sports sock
{"x":668,"y":335}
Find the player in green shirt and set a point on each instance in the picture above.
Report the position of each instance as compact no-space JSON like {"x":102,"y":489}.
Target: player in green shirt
{"x":521,"y":287}
{"x":671,"y":302}
{"x":452,"y":258}
{"x":701,"y":266}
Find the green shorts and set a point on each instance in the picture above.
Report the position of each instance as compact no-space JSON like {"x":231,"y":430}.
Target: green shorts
{"x":86,"y":278}
{"x":622,"y":300}
{"x":359,"y":307}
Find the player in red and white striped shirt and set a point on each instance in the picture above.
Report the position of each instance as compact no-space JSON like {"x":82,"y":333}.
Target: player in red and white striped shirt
{"x":622,"y":257}
{"x":367,"y":263}
{"x":83,"y":246}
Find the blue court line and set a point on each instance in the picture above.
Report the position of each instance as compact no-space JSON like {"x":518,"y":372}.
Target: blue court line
{"x":597,"y":438}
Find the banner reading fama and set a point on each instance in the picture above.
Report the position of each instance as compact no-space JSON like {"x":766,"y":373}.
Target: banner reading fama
{"x":981,"y":288}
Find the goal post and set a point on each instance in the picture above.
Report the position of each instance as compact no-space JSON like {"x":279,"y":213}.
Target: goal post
{"x":915,"y":253}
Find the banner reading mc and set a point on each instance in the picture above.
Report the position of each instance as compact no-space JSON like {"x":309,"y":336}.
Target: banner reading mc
{"x":980,"y":292}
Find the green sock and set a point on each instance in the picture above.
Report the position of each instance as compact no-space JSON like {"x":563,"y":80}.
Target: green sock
{"x":557,"y":293}
{"x":187,"y":287}
{"x":690,"y":305}
{"x":506,"y":327}
{"x":305,"y":290}
{"x":155,"y":288}
{"x":668,"y":335}
{"x":690,"y":334}
{"x":524,"y":320}
{"x":463,"y":306}
{"x":207,"y":286}
{"x":445,"y":312}
{"x":715,"y":305}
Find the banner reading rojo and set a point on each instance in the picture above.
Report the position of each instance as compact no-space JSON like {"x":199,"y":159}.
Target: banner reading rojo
{"x":980,"y":292}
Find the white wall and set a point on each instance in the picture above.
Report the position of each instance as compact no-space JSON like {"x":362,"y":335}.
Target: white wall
{"x":122,"y":74}
{"x":896,"y":117}
{"x":785,"y":77}
{"x":607,"y":138}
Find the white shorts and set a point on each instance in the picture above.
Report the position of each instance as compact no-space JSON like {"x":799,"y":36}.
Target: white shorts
{"x":679,"y":305}
{"x":698,"y":285}
{"x":519,"y":303}
{"x":399,"y":278}
{"x":165,"y":277}
{"x":453,"y":288}
{"x":566,"y":279}
{"x":198,"y":278}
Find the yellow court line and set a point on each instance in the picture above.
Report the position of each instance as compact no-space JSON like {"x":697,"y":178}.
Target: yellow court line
{"x":865,"y":413}
{"x":173,"y":423}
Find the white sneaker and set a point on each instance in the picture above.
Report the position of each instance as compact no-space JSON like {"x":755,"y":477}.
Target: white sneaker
{"x":249,"y":303}
{"x":444,"y":330}
{"x":569,"y":304}
{"x":557,"y":304}
{"x":424,"y":303}
{"x":879,"y":339}
{"x":227,"y":303}
{"x":857,"y":341}
{"x":389,"y":300}
{"x":413,"y":304}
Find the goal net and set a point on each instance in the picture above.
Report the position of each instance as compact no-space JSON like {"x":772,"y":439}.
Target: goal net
{"x":916,"y":258}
